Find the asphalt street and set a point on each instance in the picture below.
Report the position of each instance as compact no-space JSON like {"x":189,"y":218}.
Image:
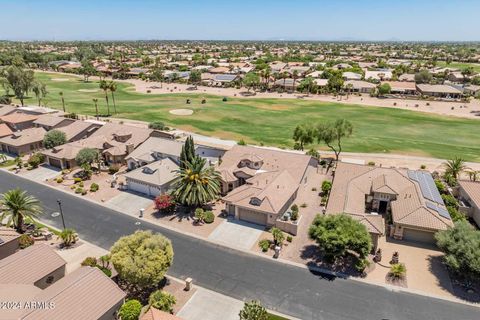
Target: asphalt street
{"x":288,"y":289}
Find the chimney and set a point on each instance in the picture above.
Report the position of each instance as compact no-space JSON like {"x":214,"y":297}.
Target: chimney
{"x":130,"y":147}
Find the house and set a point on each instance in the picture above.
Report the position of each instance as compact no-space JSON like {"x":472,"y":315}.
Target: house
{"x":378,"y":75}
{"x":221,"y":79}
{"x":18,"y":120}
{"x":49,"y":122}
{"x":37,"y":265}
{"x":78,"y":130}
{"x":8,"y":242}
{"x":457,"y":77}
{"x":359,"y":86}
{"x":469,"y":196}
{"x":351,"y":76}
{"x":315,"y":74}
{"x":404,"y":88}
{"x":287,"y":84}
{"x":86,"y":293}
{"x":23,"y":142}
{"x":410,"y":77}
{"x":439,"y":90}
{"x":154,"y":149}
{"x":114,"y":141}
{"x":219,"y":70}
{"x":407,"y":198}
{"x":5,"y":130}
{"x":471,"y":89}
{"x":152,"y":179}
{"x":259,"y":185}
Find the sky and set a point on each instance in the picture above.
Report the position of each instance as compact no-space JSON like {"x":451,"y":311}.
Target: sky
{"x":361,"y":20}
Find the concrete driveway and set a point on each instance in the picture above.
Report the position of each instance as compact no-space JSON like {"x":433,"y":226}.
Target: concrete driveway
{"x":42,"y":173}
{"x":206,"y":304}
{"x":129,"y":202}
{"x":238,"y":234}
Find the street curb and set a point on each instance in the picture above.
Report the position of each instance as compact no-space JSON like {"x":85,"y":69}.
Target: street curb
{"x":260,"y":255}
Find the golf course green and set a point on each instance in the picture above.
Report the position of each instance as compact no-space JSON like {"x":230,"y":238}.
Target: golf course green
{"x":271,"y":121}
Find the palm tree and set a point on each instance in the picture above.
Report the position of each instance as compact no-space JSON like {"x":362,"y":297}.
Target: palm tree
{"x":40,"y":91}
{"x":398,"y":271}
{"x":63,"y":100}
{"x":473,"y":175}
{"x":112,"y":86}
{"x":295,"y":77}
{"x":95,"y":100}
{"x":68,"y":236}
{"x":105,"y":87}
{"x":196,"y":183}
{"x":18,"y":205}
{"x":454,"y":167}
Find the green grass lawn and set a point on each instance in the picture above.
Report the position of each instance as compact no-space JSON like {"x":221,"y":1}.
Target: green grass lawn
{"x":275,"y":317}
{"x":459,"y":65}
{"x":271,"y":121}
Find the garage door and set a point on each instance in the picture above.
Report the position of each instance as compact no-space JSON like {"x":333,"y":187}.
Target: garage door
{"x":55,"y":163}
{"x":253,"y":217}
{"x":143,"y":188}
{"x":418,"y":236}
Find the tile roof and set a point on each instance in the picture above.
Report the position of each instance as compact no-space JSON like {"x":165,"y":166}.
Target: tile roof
{"x":472,"y":189}
{"x":155,"y":314}
{"x":86,"y":293}
{"x":156,"y":173}
{"x":7,"y":235}
{"x":354,"y":182}
{"x":6,"y":109}
{"x":51,"y":121}
{"x":18,"y":117}
{"x":152,"y":145}
{"x":29,"y":265}
{"x":75,"y":128}
{"x":21,"y":138}
{"x":5,"y":130}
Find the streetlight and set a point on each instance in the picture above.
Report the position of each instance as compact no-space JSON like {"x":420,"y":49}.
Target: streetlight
{"x":56,"y":214}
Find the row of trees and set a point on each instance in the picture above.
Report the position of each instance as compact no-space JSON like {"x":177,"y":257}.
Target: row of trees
{"x":21,"y":82}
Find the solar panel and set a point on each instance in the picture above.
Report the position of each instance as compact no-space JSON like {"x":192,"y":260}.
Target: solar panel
{"x":427,"y":185}
{"x":441,"y":211}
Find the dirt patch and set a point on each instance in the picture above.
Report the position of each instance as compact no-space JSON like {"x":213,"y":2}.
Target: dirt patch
{"x":181,"y":112}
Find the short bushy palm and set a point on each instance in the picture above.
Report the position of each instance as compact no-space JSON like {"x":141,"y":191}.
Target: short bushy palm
{"x":17,"y":205}
{"x":68,"y":236}
{"x":196,"y":184}
{"x":398,"y":271}
{"x":454,"y":167}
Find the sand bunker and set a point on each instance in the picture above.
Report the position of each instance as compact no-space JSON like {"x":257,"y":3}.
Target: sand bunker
{"x":60,"y":79}
{"x":181,"y":112}
{"x":87,"y":90}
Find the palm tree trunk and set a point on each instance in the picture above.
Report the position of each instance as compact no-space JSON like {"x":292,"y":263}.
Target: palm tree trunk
{"x":108,"y":104}
{"x":114,"y":106}
{"x":20,"y":223}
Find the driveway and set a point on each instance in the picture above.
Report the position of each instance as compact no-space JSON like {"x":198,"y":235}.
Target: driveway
{"x":237,"y":234}
{"x":129,"y":202}
{"x":42,"y":173}
{"x":206,"y":304}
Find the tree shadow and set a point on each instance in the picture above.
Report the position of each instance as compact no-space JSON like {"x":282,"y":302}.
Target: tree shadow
{"x":464,"y":288}
{"x":344,"y":266}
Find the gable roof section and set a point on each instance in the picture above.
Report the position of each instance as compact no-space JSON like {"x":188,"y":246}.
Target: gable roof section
{"x":472,"y":189}
{"x":21,"y":138}
{"x":29,"y":265}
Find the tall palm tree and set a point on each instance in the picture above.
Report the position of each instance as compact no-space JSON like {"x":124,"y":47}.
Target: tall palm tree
{"x":112,"y":86}
{"x":18,"y":205}
{"x":105,"y":87}
{"x":295,"y":77}
{"x":455,"y":166}
{"x":63,"y":100}
{"x":95,"y":100}
{"x":196,"y":183}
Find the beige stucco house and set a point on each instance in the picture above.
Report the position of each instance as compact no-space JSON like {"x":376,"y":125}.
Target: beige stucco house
{"x":407,"y":200}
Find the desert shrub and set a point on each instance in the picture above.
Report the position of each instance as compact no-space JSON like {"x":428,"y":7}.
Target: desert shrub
{"x":303,"y":205}
{"x":77,"y":180}
{"x":398,"y":271}
{"x":164,"y":203}
{"x":84,"y":192}
{"x":59,"y":180}
{"x":440,"y":186}
{"x":35,"y":160}
{"x":289,"y":238}
{"x":209,"y":217}
{"x":80,"y":184}
{"x":94,"y":187}
{"x":264,"y":245}
{"x":25,"y":241}
{"x":73,"y":186}
{"x":450,"y":200}
{"x":162,"y":300}
{"x":130,"y":310}
{"x":113,"y":169}
{"x":106,"y":271}
{"x":242,"y":142}
{"x":156,"y":125}
{"x":371,"y":163}
{"x":89,"y":261}
{"x":326,"y":186}
{"x":423,"y":167}
{"x":361,"y":264}
{"x":78,"y":190}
